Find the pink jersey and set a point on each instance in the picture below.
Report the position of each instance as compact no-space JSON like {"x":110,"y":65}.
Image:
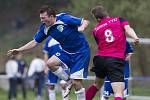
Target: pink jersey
{"x":110,"y":37}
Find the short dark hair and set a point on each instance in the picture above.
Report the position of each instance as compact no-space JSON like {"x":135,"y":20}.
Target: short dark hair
{"x":99,"y":12}
{"x":50,"y":11}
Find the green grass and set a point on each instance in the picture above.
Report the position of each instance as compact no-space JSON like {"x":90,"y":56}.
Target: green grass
{"x":135,"y":90}
{"x":31,"y":96}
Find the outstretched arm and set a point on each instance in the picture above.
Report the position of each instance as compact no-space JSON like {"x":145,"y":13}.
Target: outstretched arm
{"x":26,"y":47}
{"x":85,"y":23}
{"x":130,"y":32}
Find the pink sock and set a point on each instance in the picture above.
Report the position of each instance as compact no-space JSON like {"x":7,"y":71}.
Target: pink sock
{"x":91,"y":92}
{"x":118,"y":98}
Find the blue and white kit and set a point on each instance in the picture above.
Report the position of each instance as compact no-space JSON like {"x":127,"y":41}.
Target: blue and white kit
{"x":52,"y":47}
{"x":75,"y":51}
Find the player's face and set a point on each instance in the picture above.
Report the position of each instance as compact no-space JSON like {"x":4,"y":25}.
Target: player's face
{"x":48,"y":20}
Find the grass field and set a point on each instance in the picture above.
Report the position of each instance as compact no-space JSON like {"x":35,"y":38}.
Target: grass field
{"x":135,"y":89}
{"x":31,"y":96}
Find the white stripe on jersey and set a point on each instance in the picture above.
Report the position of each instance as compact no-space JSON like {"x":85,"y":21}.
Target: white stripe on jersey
{"x":52,"y":42}
{"x":60,"y":14}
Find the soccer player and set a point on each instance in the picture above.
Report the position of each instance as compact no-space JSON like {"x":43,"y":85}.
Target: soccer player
{"x":50,"y":48}
{"x":67,"y":30}
{"x":110,"y":37}
{"x":107,"y":92}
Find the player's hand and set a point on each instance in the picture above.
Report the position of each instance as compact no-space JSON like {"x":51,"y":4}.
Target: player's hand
{"x":136,"y":41}
{"x":128,"y":57}
{"x":12,"y":52}
{"x":81,"y":29}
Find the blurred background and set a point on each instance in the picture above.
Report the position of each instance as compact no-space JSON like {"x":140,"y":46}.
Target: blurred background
{"x":20,"y":19}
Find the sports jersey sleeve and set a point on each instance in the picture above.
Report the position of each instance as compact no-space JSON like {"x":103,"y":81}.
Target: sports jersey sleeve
{"x":40,"y":35}
{"x":123,"y":22}
{"x":71,"y":20}
{"x":129,"y":48}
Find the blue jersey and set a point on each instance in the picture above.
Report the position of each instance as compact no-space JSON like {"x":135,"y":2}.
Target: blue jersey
{"x":65,"y":31}
{"x":51,"y":46}
{"x":129,"y":50}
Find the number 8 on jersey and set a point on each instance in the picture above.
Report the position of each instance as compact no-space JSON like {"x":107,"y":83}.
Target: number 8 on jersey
{"x":109,"y":35}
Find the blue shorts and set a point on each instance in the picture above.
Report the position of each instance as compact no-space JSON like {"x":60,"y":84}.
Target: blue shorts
{"x":108,"y":91}
{"x":77,"y":63}
{"x":126,"y":70}
{"x":52,"y":78}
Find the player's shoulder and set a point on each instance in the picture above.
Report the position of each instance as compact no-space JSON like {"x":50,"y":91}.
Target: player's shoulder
{"x":61,"y":14}
{"x":122,"y":19}
{"x":61,"y":18}
{"x":41,"y":26}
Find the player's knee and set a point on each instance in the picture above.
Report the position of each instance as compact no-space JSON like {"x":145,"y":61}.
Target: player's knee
{"x":51,"y":64}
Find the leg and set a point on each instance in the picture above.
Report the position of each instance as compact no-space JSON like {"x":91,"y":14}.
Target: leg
{"x":23,"y":86}
{"x":51,"y":91}
{"x":118,"y":88}
{"x":41,"y":79}
{"x":116,"y":76}
{"x":104,"y":94}
{"x":10,"y":89}
{"x":126,"y":94}
{"x":92,"y":90}
{"x":63,"y":85}
{"x":14,"y":88}
{"x":78,"y":72}
{"x":55,"y":65}
{"x":100,"y":72}
{"x":107,"y":90}
{"x":79,"y":89}
{"x":52,"y":80}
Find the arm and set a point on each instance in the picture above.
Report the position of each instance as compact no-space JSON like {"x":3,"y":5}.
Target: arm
{"x":128,"y":56}
{"x":46,"y":67}
{"x":26,"y":47}
{"x":85,"y":23}
{"x":130,"y":32}
{"x":129,"y":51}
{"x":72,"y":20}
